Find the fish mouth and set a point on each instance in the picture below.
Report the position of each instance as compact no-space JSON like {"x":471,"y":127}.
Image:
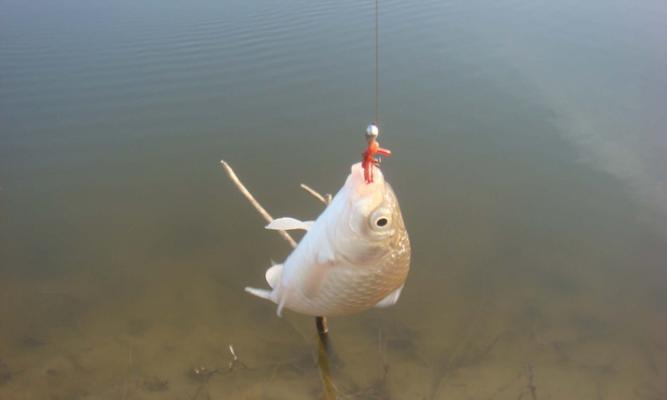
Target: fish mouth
{"x":369,"y":195}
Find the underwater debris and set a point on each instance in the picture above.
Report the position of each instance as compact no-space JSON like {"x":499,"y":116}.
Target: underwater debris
{"x":466,"y":354}
{"x":136,"y":327}
{"x":651,"y":391}
{"x":30,"y":342}
{"x":235,"y":360}
{"x":530,"y":390}
{"x":154,"y":384}
{"x":5,"y":373}
{"x":202,"y":374}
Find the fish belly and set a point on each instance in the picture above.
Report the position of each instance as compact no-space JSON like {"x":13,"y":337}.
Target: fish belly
{"x":347,"y":290}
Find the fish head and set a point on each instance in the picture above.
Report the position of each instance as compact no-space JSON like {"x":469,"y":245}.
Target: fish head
{"x":370,"y":226}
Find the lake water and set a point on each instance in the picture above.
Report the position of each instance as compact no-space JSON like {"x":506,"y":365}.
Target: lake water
{"x":529,"y":158}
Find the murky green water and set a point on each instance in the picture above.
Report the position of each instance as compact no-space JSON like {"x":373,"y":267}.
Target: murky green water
{"x":529,"y":160}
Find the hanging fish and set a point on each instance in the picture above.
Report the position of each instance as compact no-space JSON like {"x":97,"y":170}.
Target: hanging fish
{"x":355,"y":256}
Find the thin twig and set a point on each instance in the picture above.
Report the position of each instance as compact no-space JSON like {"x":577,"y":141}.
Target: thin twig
{"x":322,"y":326}
{"x":320,"y":322}
{"x":235,"y":360}
{"x":326,"y":199}
{"x":129,"y":369}
{"x":265,"y":214}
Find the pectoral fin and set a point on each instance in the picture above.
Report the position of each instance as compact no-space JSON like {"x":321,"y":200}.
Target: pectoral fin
{"x":287,"y":223}
{"x":273,"y":275}
{"x":264,"y":294}
{"x":311,"y":287}
{"x":318,"y":272}
{"x":391,"y":299}
{"x":270,"y":295}
{"x":326,"y":255}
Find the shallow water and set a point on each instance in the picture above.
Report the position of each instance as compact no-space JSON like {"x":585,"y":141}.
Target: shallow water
{"x":528,"y":143}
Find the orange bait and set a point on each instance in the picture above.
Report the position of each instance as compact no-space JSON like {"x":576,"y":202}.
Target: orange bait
{"x":368,"y":159}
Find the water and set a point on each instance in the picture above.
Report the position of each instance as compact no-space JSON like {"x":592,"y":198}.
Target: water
{"x":529,"y":161}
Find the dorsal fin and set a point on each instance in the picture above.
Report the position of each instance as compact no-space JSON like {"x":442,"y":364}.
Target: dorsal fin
{"x":288,"y":223}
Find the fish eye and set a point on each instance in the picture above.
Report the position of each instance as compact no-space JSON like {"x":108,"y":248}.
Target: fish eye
{"x":380,"y":220}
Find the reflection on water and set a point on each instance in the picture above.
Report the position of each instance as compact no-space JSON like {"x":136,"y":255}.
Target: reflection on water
{"x":528,"y":159}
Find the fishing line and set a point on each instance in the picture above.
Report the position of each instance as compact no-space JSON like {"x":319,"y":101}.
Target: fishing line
{"x":368,"y":159}
{"x":377,"y":65}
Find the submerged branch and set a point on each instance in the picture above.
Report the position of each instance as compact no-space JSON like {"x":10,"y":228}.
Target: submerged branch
{"x":265,"y":214}
{"x":326,"y":199}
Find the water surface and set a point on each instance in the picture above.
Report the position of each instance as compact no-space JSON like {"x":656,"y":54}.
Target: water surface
{"x":528,"y":141}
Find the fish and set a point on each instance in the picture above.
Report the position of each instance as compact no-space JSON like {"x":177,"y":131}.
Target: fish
{"x":354,"y":256}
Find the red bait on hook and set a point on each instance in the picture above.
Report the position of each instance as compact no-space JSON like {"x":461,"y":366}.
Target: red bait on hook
{"x":368,"y":159}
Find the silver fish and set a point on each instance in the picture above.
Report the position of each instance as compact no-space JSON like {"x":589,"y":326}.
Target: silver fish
{"x":355,"y":256}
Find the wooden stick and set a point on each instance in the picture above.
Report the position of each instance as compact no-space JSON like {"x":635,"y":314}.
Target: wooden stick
{"x":326,"y":199}
{"x":320,"y":322}
{"x":267,"y":217}
{"x":322,"y":326}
